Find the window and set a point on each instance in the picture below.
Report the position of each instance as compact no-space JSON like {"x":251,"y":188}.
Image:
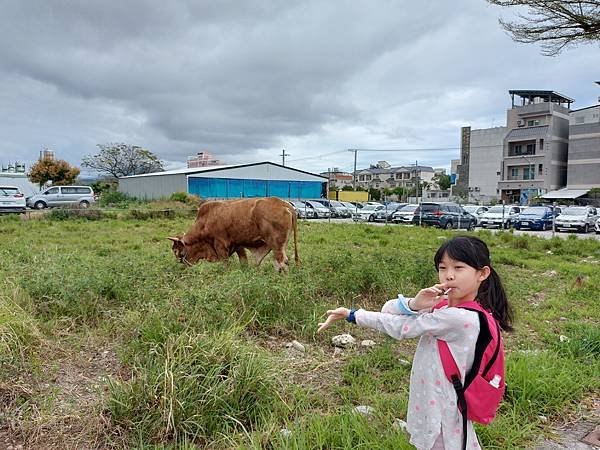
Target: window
{"x":514,"y":172}
{"x":52,"y":191}
{"x":540,"y":169}
{"x":518,"y":149}
{"x":531,"y":149}
{"x":83,"y":190}
{"x":527,"y":173}
{"x":533,"y":123}
{"x":541,"y":144}
{"x":68,"y":190}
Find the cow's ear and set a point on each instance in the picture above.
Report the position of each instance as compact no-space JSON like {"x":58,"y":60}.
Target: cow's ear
{"x":174,"y":239}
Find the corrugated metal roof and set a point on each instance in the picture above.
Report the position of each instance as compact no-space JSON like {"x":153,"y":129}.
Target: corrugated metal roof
{"x":541,"y":130}
{"x":566,"y":193}
{"x":184,"y":170}
{"x":188,"y":171}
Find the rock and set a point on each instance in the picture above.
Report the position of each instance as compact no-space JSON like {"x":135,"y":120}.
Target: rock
{"x":405,"y":363}
{"x":399,"y":424}
{"x":343,"y":340}
{"x":296,"y":346}
{"x":564,"y":338}
{"x":562,"y":318}
{"x":364,"y":409}
{"x":285,"y":432}
{"x":549,"y":252}
{"x":367,"y":343}
{"x":543,"y":419}
{"x":550,"y":273}
{"x":337,"y":351}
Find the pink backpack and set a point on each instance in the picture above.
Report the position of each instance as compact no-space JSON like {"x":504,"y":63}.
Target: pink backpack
{"x":478,"y":399}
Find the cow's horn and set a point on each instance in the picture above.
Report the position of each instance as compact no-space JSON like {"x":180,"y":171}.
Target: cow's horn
{"x":174,"y":239}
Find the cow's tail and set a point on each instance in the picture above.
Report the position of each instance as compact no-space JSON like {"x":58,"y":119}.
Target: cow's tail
{"x":295,"y":225}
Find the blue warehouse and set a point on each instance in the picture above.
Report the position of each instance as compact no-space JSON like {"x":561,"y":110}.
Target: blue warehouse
{"x":263,"y":179}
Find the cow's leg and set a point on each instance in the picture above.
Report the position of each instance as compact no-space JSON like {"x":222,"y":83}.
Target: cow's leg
{"x":281,"y":259}
{"x":259,"y":253}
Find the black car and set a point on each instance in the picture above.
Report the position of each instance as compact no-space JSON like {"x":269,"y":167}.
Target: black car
{"x":444,"y":215}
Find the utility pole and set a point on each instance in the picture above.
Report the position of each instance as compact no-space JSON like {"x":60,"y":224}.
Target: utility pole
{"x":354,"y":173}
{"x":283,"y":155}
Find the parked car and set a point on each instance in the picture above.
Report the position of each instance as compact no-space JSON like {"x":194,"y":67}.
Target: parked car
{"x":404,"y":214}
{"x":444,"y":215}
{"x":385,"y":214}
{"x":335,"y":207}
{"x":535,"y":218}
{"x":303,"y":211}
{"x":597,"y":226}
{"x":578,"y":218}
{"x":11,"y":199}
{"x":62,"y":196}
{"x":476,"y":210}
{"x":321,"y":211}
{"x":352,"y":207}
{"x":500,"y":216}
{"x":367,"y":212}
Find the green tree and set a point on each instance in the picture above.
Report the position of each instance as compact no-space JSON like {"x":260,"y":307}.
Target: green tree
{"x":374,"y":194}
{"x":347,"y":188}
{"x":442,"y":180}
{"x":121,"y":160}
{"x":555,"y":24}
{"x":58,"y":171}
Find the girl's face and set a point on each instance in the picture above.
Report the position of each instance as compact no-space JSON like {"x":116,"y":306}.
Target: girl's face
{"x":463,"y":279}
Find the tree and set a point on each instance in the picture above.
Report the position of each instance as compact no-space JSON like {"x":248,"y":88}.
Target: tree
{"x":347,"y":188}
{"x":555,"y":24}
{"x":121,"y":160}
{"x":58,"y":171}
{"x":375,"y":194}
{"x":442,"y":180}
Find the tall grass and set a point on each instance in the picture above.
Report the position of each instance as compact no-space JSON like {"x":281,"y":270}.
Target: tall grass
{"x":204,"y":346}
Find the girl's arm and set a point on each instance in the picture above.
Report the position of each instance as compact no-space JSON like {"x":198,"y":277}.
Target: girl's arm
{"x":448,"y":324}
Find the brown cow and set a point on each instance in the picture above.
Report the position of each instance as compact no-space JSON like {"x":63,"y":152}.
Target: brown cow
{"x":226,"y":227}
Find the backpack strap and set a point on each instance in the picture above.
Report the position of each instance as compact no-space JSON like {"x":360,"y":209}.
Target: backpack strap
{"x":451,"y":368}
{"x":453,"y":374}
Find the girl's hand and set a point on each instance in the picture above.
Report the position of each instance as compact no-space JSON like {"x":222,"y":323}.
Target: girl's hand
{"x":333,"y":316}
{"x":427,"y":298}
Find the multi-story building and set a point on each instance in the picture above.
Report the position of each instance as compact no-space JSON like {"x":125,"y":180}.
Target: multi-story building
{"x":338,"y":178}
{"x":535,"y":152}
{"x":202,"y":159}
{"x":480,"y":166}
{"x":583,"y":169}
{"x":383,"y":176}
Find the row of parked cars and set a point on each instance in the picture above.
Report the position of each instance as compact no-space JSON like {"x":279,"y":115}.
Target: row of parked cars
{"x":452,"y":215}
{"x":13,"y":200}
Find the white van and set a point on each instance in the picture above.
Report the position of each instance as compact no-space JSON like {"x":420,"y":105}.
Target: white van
{"x":62,"y":196}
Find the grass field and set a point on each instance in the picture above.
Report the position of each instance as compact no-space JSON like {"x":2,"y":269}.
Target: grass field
{"x":107,"y":341}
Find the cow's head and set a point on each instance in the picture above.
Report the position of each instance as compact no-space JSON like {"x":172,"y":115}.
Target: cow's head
{"x":190,"y":253}
{"x":179,"y":249}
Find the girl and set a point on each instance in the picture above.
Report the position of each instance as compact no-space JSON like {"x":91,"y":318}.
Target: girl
{"x":465,"y":274}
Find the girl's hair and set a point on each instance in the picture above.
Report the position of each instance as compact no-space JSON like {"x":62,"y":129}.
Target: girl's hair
{"x":491,"y":295}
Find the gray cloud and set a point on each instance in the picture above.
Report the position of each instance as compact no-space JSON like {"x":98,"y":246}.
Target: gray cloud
{"x":245,"y":79}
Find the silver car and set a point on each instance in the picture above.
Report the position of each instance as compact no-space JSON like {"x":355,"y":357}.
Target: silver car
{"x":62,"y":196}
{"x":578,"y":218}
{"x":11,"y":199}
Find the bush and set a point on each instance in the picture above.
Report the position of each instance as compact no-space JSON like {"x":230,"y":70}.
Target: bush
{"x":112,"y":197}
{"x":184,"y":197}
{"x":75,"y":213}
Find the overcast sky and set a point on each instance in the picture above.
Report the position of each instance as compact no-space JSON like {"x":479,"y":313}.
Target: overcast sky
{"x":245,"y":79}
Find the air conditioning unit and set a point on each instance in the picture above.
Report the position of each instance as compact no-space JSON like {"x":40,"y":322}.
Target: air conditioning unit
{"x":520,"y":123}
{"x":477,"y":189}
